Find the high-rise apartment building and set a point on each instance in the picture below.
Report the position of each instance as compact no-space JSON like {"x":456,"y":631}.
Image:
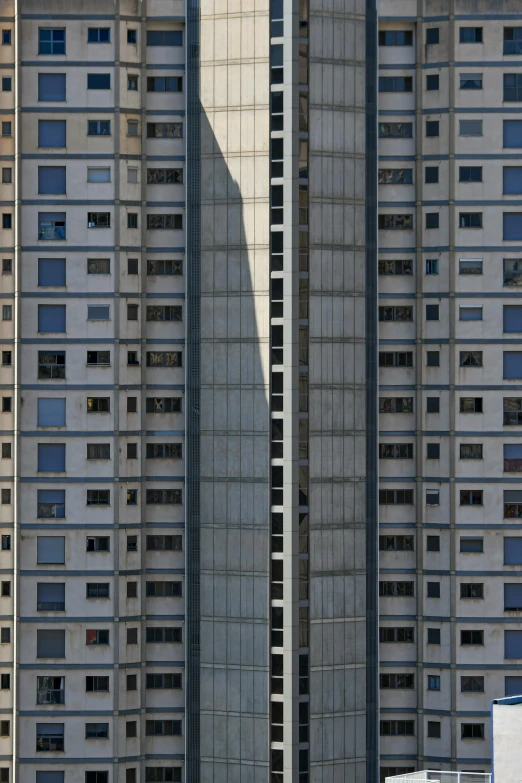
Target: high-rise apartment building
{"x":189,"y":392}
{"x":450,"y":358}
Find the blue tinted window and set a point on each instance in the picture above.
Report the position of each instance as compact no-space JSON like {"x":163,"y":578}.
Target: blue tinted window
{"x":51,"y":411}
{"x":512,"y":225}
{"x":164,"y":38}
{"x":51,"y":457}
{"x":51,"y":318}
{"x":51,"y":133}
{"x":99,"y":35}
{"x":98,"y":81}
{"x":51,"y":271}
{"x":51,"y":179}
{"x":51,"y":41}
{"x":51,"y":87}
{"x":99,"y":128}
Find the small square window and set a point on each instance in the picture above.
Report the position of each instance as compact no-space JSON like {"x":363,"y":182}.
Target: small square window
{"x":432,"y":312}
{"x":432,"y":497}
{"x":432,"y":35}
{"x":432,"y":219}
{"x":6,"y":451}
{"x":7,"y":220}
{"x":433,"y":589}
{"x":132,"y":589}
{"x":133,"y":359}
{"x":6,"y":129}
{"x":132,"y":36}
{"x":132,"y":451}
{"x":433,"y":450}
{"x":132,"y":313}
{"x":6,"y":37}
{"x":7,"y":404}
{"x":132,"y":266}
{"x":434,"y":729}
{"x":432,"y":266}
{"x":433,"y":358}
{"x":432,"y":128}
{"x":132,"y":83}
{"x":132,"y":174}
{"x":433,"y":635}
{"x":131,"y":730}
{"x":132,"y":220}
{"x":132,"y":129}
{"x":432,"y":404}
{"x":433,"y":682}
{"x":433,"y":543}
{"x":132,"y":404}
{"x":7,"y":176}
{"x":7,"y":359}
{"x":431,"y":174}
{"x":432,"y":81}
{"x":6,"y":84}
{"x":7,"y":266}
{"x":7,"y":312}
{"x":132,"y":636}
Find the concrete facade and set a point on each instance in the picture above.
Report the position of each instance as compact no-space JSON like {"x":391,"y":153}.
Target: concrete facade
{"x":449,"y":624}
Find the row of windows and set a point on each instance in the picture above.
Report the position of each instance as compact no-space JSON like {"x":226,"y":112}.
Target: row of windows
{"x":52,"y":365}
{"x":53,"y":270}
{"x":512,"y":176}
{"x":405,"y":497}
{"x":50,"y":597}
{"x":51,"y":736}
{"x":52,"y":643}
{"x":511,"y":222}
{"x":512,"y":37}
{"x":152,"y":775}
{"x":512,"y":268}
{"x":51,"y":549}
{"x":52,"y":87}
{"x":512,"y":361}
{"x":512,"y":406}
{"x":473,"y":684}
{"x":52,"y":179}
{"x":52,"y":318}
{"x":52,"y":134}
{"x":51,"y":503}
{"x":512,"y":84}
{"x":512,"y":453}
{"x":51,"y":40}
{"x":512,"y":314}
{"x":512,"y":130}
{"x":392,"y":728}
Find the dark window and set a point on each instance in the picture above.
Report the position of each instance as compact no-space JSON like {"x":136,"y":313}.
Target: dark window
{"x":470,"y":81}
{"x":470,"y":128}
{"x":396,"y":313}
{"x":164,"y":267}
{"x":472,"y":638}
{"x":471,"y":590}
{"x":164,"y":130}
{"x":396,"y":543}
{"x":132,"y":220}
{"x":513,"y":87}
{"x":99,"y":128}
{"x":132,"y":36}
{"x":51,"y":87}
{"x":51,"y":41}
{"x":6,"y":84}
{"x":432,"y":404}
{"x":433,"y":543}
{"x":395,"y":404}
{"x":159,"y":635}
{"x":433,"y":450}
{"x":432,"y":312}
{"x":95,"y":637}
{"x":512,"y":597}
{"x":395,"y":38}
{"x":395,"y":84}
{"x":432,"y":128}
{"x":396,"y":222}
{"x":471,"y":497}
{"x":471,"y":451}
{"x":163,"y":496}
{"x":470,"y":266}
{"x":389,"y":728}
{"x":165,"y":728}
{"x":513,"y":551}
{"x":470,"y":173}
{"x":164,"y":84}
{"x":164,"y":38}
{"x":432,"y":35}
{"x":472,"y":684}
{"x":433,"y":358}
{"x":6,"y":41}
{"x":165,"y":222}
{"x":167,"y":543}
{"x":396,"y":589}
{"x":399,"y":635}
{"x":98,"y":497}
{"x":395,"y":266}
{"x":431,"y":175}
{"x":96,"y":731}
{"x":470,"y":359}
{"x":472,"y":731}
{"x":7,"y":222}
{"x":164,"y":359}
{"x":433,"y":682}
{"x":395,"y":497}
{"x":434,"y":729}
{"x":470,"y":35}
{"x":98,"y":81}
{"x":163,"y":405}
{"x":397,"y":681}
{"x":395,"y":359}
{"x":99,"y":35}
{"x":433,"y":589}
{"x":432,"y":497}
{"x":132,"y":451}
{"x":470,"y":220}
{"x":49,"y":737}
{"x":395,"y":451}
{"x":432,"y":81}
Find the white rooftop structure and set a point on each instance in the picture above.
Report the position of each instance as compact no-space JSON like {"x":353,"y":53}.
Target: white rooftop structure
{"x":439,"y":776}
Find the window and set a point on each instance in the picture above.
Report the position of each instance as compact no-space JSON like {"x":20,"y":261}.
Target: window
{"x":132,"y":633}
{"x":132,"y":266}
{"x":97,"y":590}
{"x":434,"y":729}
{"x":512,"y":87}
{"x":401,"y":635}
{"x":163,"y":450}
{"x":470,"y":313}
{"x":5,"y":682}
{"x":6,"y":497}
{"x":51,"y":225}
{"x":513,"y":134}
{"x":49,"y":737}
{"x":7,"y":358}
{"x":98,"y":219}
{"x":433,"y":450}
{"x":164,"y":313}
{"x":512,"y":551}
{"x":99,"y":174}
{"x":132,"y":497}
{"x":470,"y":35}
{"x":6,"y":37}
{"x":6,"y":451}
{"x":394,"y":267}
{"x":98,"y":497}
{"x":98,"y":313}
{"x":512,"y":318}
{"x":165,"y":222}
{"x":433,"y":590}
{"x":132,"y":312}
{"x":432,"y":35}
{"x":395,"y":451}
{"x":164,"y":38}
{"x":433,"y":358}
{"x":395,"y":543}
{"x":132,"y":682}
{"x":431,"y":174}
{"x":388,"y":497}
{"x":7,"y":220}
{"x":96,"y":637}
{"x":163,"y":405}
{"x":470,"y":128}
{"x":470,"y":173}
{"x":98,"y":128}
{"x":96,"y":731}
{"x":50,"y":643}
{"x":98,"y":544}
{"x":7,"y":266}
{"x":512,"y":225}
{"x":133,"y":359}
{"x":50,"y":597}
{"x":155,"y":635}
{"x":163,"y":496}
{"x":131,"y":731}
{"x":472,"y":731}
{"x":133,"y":128}
{"x":51,"y":504}
{"x":432,"y":543}
{"x":132,"y":592}
{"x":164,"y":359}
{"x":98,"y":266}
{"x":164,"y":589}
{"x":512,"y":644}
{"x":132,"y":404}
{"x":433,"y":682}
{"x":396,"y":222}
{"x":6,"y":129}
{"x":7,"y":404}
{"x":512,"y":597}
{"x":474,"y":638}
{"x":51,"y":133}
{"x":51,"y":318}
{"x":99,"y":35}
{"x":7,"y":176}
{"x":51,"y":457}
{"x":94,"y":776}
{"x":95,"y":684}
{"x":132,"y":82}
{"x":432,"y":497}
{"x":51,"y":272}
{"x":51,"y":41}
{"x":396,"y":681}
{"x":98,"y":451}
{"x":513,"y":686}
{"x":132,"y":220}
{"x":167,"y":176}
{"x":396,"y":589}
{"x":470,"y":81}
{"x":432,"y":266}
{"x":98,"y":404}
{"x":6,"y":543}
{"x":512,"y":503}
{"x":132,"y":36}
{"x":512,"y":271}
{"x":470,"y":266}
{"x":472,"y":684}
{"x":51,"y":412}
{"x":470,"y":359}
{"x":396,"y":313}
{"x":471,"y":451}
{"x":432,"y":128}
{"x":5,"y":635}
{"x":432,"y":81}
{"x":512,"y":364}
{"x":471,"y":590}
{"x":389,"y":728}
{"x":471,"y":497}
{"x":164,"y":130}
{"x":162,"y":774}
{"x":164,"y":84}
{"x":163,"y":681}
{"x":51,"y":87}
{"x":470,"y":219}
{"x":161,"y":543}
{"x":432,"y":312}
{"x":132,"y":451}
{"x":165,"y":728}
{"x":395,"y":359}
{"x":395,"y":84}
{"x":512,"y":40}
{"x":395,"y":404}
{"x":98,"y":81}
